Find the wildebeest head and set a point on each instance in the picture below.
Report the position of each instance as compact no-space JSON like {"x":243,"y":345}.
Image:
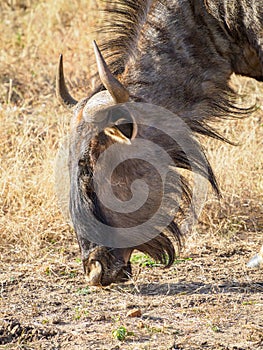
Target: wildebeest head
{"x":117,"y":177}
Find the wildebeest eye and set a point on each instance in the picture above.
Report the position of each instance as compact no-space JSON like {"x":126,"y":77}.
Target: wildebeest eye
{"x":121,"y":134}
{"x":125,"y":128}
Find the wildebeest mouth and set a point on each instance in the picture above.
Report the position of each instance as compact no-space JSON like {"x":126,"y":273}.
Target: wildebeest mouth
{"x":102,"y":268}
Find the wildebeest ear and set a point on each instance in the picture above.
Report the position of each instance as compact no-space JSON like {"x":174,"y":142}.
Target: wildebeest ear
{"x":124,"y":130}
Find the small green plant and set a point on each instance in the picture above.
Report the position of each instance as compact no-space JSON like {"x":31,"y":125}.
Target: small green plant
{"x":45,"y":321}
{"x":250,"y":302}
{"x":215,"y":328}
{"x":72,"y":273}
{"x":48,"y":271}
{"x":121,"y":333}
{"x":143,"y":260}
{"x":154,"y":329}
{"x":181,"y":260}
{"x":19,"y":39}
{"x":80,"y":312}
{"x":146,"y":261}
{"x":83,"y":291}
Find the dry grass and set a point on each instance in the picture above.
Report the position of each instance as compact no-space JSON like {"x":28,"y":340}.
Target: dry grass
{"x":209,"y":300}
{"x":239,"y":168}
{"x":33,"y":33}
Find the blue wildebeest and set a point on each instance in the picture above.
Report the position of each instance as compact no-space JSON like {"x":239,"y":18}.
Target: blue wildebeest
{"x":177,"y":54}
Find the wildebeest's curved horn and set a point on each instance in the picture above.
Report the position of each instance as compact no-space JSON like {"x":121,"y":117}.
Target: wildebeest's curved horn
{"x":61,"y":89}
{"x":115,"y":88}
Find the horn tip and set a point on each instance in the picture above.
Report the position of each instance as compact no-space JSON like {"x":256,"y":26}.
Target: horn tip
{"x":97,"y":52}
{"x":60,"y":66}
{"x":61,"y":89}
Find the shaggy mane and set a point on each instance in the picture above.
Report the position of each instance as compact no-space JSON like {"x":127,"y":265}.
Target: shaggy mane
{"x":119,"y":35}
{"x":122,"y":23}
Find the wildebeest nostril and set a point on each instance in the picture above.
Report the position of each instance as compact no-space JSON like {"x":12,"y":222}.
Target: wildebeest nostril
{"x":94,"y":273}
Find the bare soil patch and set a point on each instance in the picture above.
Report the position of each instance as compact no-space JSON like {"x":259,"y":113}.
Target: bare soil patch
{"x":208,"y":300}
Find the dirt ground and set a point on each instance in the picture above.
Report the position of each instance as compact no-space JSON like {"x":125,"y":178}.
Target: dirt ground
{"x":208,"y":299}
